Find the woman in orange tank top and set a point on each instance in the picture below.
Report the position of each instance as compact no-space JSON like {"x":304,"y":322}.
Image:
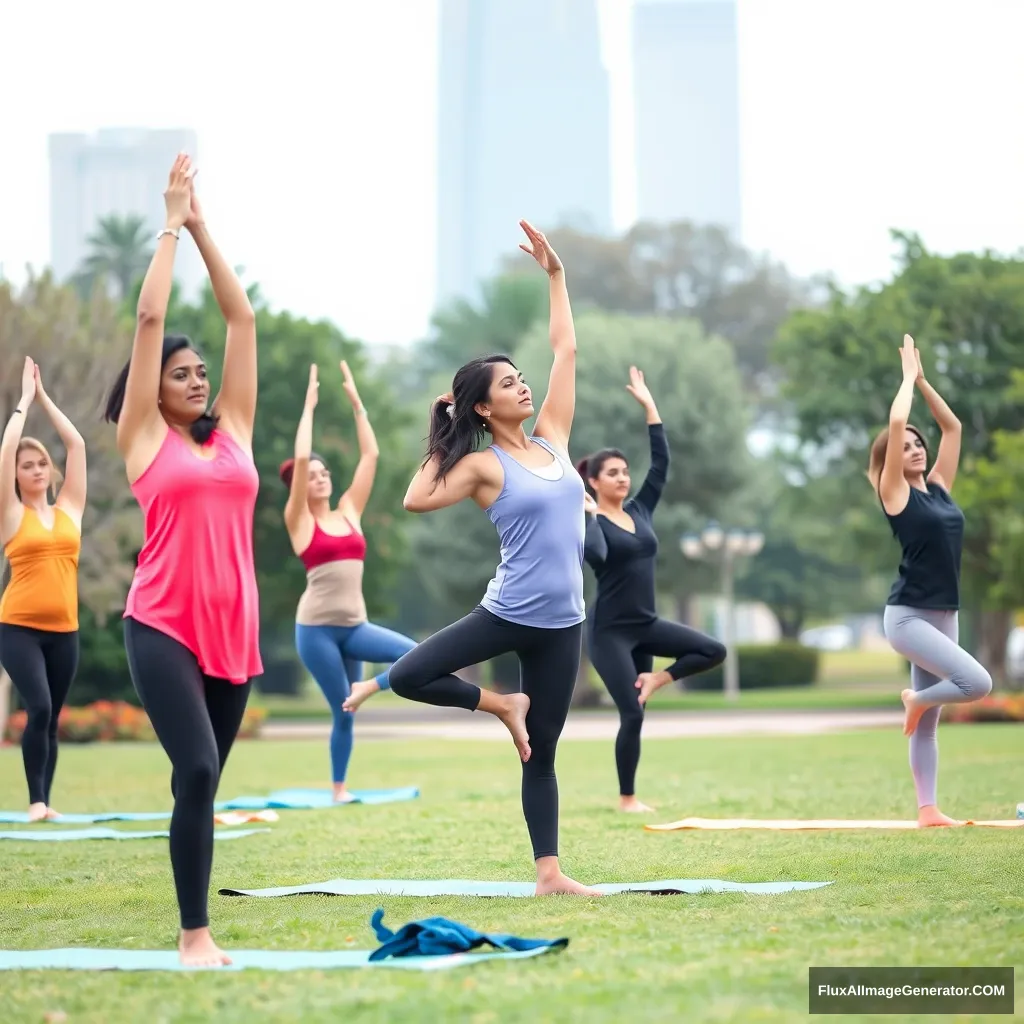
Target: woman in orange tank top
{"x":191,"y":622}
{"x":39,"y":608}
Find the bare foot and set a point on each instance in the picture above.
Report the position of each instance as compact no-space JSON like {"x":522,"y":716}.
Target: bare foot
{"x":930,"y":816}
{"x":51,"y":814}
{"x":360,"y":692}
{"x":513,"y":717}
{"x":914,"y":711}
{"x":36,"y":812}
{"x":196,"y":948}
{"x":563,"y":885}
{"x":342,"y":795}
{"x":631,"y":805}
{"x":648,"y":682}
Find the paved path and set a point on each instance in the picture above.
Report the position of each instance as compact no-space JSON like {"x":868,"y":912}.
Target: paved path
{"x":439,"y":723}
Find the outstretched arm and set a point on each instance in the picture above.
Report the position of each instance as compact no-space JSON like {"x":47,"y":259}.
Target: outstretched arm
{"x":73,"y":491}
{"x":893,"y":489}
{"x":554,"y":422}
{"x":296,"y":510}
{"x":947,"y":461}
{"x":595,"y":544}
{"x":358,"y":494}
{"x":139,"y":411}
{"x":10,"y":507}
{"x":654,"y":483}
{"x":236,"y":401}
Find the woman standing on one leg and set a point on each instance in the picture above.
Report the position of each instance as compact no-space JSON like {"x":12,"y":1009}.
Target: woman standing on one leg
{"x":191,"y":621}
{"x":534,"y":604}
{"x":331,"y":627}
{"x":921,"y":615}
{"x":39,"y":608}
{"x":625,"y":632}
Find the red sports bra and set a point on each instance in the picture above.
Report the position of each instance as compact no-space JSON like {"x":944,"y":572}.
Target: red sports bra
{"x":324,"y":548}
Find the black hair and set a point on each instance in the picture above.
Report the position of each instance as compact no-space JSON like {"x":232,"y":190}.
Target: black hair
{"x":202,"y":427}
{"x":287,"y":468}
{"x":590,"y":467}
{"x":454,"y":436}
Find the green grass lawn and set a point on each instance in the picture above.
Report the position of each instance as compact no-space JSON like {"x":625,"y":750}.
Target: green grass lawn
{"x":904,"y":898}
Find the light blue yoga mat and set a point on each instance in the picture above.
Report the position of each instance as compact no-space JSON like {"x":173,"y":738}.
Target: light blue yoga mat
{"x":461,"y":887}
{"x":54,"y":835}
{"x":21,"y":818}
{"x":313,"y":799}
{"x":242,"y":959}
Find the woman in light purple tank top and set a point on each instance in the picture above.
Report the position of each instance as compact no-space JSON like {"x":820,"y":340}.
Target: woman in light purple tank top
{"x":534,"y":604}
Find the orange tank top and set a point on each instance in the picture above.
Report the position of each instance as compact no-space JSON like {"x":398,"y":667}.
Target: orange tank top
{"x":43,"y":592}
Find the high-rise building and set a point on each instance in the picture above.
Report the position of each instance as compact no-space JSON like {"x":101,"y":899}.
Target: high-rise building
{"x":687,"y":122}
{"x":120,"y":171}
{"x":523,"y":130}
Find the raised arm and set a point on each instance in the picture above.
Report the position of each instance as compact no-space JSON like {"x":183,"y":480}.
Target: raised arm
{"x":554,"y":421}
{"x":236,"y":401}
{"x":893,"y":489}
{"x":140,"y":413}
{"x":73,"y":491}
{"x":595,"y":544}
{"x":654,"y":483}
{"x":358,"y":494}
{"x":296,"y":511}
{"x":948,"y":459}
{"x":10,"y":506}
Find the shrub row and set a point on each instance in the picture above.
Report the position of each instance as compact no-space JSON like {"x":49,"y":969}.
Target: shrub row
{"x":763,"y":665}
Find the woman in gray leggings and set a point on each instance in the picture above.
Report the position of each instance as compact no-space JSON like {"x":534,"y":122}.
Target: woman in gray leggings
{"x":921,"y":620}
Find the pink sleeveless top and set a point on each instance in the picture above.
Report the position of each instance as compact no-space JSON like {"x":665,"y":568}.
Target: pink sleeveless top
{"x":196,"y":577}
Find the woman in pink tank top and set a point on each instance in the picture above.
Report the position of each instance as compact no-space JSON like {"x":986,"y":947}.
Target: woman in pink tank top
{"x":332,"y":634}
{"x":191,"y":621}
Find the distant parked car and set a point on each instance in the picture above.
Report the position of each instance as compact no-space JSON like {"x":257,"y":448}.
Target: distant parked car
{"x":828,"y":638}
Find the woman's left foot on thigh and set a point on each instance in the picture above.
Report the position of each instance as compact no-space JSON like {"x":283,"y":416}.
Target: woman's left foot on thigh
{"x":360,"y":693}
{"x":930,"y":817}
{"x":631,"y":805}
{"x":648,"y":682}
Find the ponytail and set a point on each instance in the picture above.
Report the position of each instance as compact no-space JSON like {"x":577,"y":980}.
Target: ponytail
{"x":583,"y":468}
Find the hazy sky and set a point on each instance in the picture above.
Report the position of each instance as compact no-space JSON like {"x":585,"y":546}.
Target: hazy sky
{"x":317,"y":125}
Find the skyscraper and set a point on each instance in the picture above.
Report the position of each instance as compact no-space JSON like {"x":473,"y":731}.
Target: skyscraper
{"x":118,"y":171}
{"x":686,"y":95}
{"x":523,"y":130}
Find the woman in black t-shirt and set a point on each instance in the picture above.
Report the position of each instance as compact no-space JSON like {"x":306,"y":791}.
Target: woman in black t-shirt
{"x":921,"y":615}
{"x":624,"y":631}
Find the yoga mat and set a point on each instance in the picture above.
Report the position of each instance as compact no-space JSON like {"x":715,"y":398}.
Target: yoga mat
{"x":313,"y":799}
{"x":243,"y":959}
{"x":21,"y":818}
{"x":785,"y":825}
{"x":50,"y":835}
{"x":461,"y":887}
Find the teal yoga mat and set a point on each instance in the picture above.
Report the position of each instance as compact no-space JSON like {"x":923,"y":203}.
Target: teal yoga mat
{"x":461,"y":887}
{"x":55,"y":835}
{"x":242,"y":959}
{"x":21,"y":817}
{"x":314,"y":799}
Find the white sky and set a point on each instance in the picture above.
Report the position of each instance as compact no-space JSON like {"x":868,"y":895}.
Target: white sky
{"x":316,"y":123}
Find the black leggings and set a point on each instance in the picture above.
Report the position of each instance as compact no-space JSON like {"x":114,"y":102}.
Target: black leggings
{"x":42,"y":666}
{"x":621,"y":653}
{"x":548,"y":662}
{"x":196,"y":718}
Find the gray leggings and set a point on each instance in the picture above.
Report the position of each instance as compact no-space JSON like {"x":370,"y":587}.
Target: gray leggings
{"x":942,"y":672}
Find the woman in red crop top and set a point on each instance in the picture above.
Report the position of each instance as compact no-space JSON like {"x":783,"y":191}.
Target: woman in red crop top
{"x":191,"y":621}
{"x":332,"y":634}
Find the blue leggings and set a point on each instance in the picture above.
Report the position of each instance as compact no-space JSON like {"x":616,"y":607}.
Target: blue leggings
{"x":334,"y":655}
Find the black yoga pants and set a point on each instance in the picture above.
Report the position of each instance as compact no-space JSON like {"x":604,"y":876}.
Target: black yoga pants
{"x":196,"y":718}
{"x":621,"y":653}
{"x":41,"y":665}
{"x":549,"y":660}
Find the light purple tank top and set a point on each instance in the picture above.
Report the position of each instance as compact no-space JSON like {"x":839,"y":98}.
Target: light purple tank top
{"x":541,"y":525}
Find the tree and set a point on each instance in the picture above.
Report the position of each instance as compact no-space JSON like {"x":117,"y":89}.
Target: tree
{"x":120,"y":250}
{"x":841,"y":367}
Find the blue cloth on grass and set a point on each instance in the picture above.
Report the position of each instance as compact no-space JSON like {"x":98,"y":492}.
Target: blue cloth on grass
{"x":55,"y":835}
{"x":313,"y":799}
{"x":21,"y":817}
{"x":437,"y":936}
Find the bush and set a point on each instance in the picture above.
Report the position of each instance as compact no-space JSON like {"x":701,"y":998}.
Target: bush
{"x":115,"y":721}
{"x":1001,"y":708}
{"x":764,"y":665}
{"x":102,"y":662}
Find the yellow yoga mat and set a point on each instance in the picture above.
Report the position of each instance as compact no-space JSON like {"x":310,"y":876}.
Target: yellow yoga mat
{"x":785,"y":825}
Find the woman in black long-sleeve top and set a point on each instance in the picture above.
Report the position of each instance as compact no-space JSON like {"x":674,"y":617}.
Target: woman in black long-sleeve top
{"x":625,"y":633}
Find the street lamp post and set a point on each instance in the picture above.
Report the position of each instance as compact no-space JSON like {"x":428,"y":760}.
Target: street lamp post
{"x":727,"y":547}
